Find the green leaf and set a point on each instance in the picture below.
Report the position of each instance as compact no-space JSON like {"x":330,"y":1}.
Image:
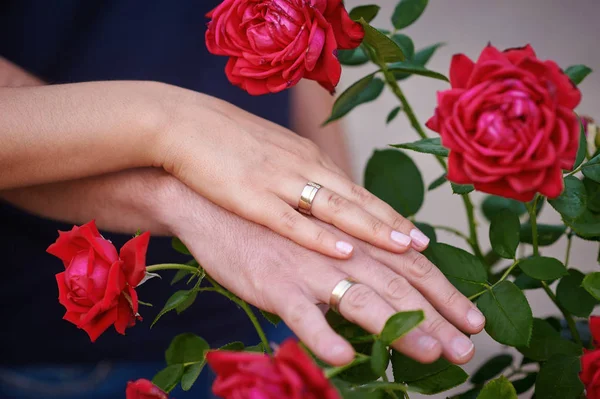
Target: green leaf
{"x":592,"y":190}
{"x":420,"y":58}
{"x":461,"y":188}
{"x":368,"y":12}
{"x":591,"y":283}
{"x":256,"y":348}
{"x":572,"y":202}
{"x":524,"y":384}
{"x":392,"y":115}
{"x":525,"y":282}
{"x":559,"y":378}
{"x":271,"y":318}
{"x":407,"y":12}
{"x":347,"y":390}
{"x":591,"y":169}
{"x":437,"y":182}
{"x":380,"y":357}
{"x":191,"y":298}
{"x":387,"y":174}
{"x":400,"y":324}
{"x":548,"y":234}
{"x":235,"y":346}
{"x":547,"y":342}
{"x":427,"y":230}
{"x":500,"y":388}
{"x":426,"y":378}
{"x":573,"y":297}
{"x":493,"y":204}
{"x":385,"y":48}
{"x":169,"y":377}
{"x":587,"y":225}
{"x":464,"y":270}
{"x":191,"y":374}
{"x":180,"y":275}
{"x":414,"y":69}
{"x":363,"y":91}
{"x":406,"y":44}
{"x":186,"y":348}
{"x":543,"y":268}
{"x":582,"y":149}
{"x":426,"y":146}
{"x":346,"y":329}
{"x":179,"y":246}
{"x":508,"y":316}
{"x":178,"y":298}
{"x":505,"y":233}
{"x":577,"y":73}
{"x":353,"y":57}
{"x":492,"y":368}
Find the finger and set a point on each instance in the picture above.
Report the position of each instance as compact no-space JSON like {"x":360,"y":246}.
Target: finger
{"x":286,"y":221}
{"x":402,"y":296}
{"x":334,"y":209}
{"x":376,"y":207}
{"x":309,"y":324}
{"x":362,"y":306}
{"x":431,"y":282}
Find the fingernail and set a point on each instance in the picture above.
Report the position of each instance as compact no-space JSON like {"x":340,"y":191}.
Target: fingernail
{"x":401,"y":238}
{"x":427,"y":343}
{"x":475,"y":318}
{"x":419,"y":238}
{"x":337,"y":350}
{"x":344,"y":247}
{"x":462,"y":347}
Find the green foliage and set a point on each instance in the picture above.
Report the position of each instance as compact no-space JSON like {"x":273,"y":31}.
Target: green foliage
{"x":415,"y":69}
{"x":427,"y":230}
{"x":491,"y":368}
{"x":271,"y":318}
{"x":492,"y":205}
{"x":380,"y":357}
{"x":573,"y":297}
{"x":426,"y":146}
{"x":353,"y":57}
{"x":462,"y":189}
{"x":548,"y":234}
{"x":421,"y":58}
{"x":508,"y":316}
{"x":407,"y":12}
{"x":591,"y":169}
{"x":363,"y":91}
{"x":559,"y":378}
{"x":426,"y":378}
{"x":179,"y":246}
{"x":543,"y":268}
{"x":400,"y":324}
{"x":384,"y":48}
{"x":591,"y":283}
{"x":465,"y":271}
{"x":180,"y":300}
{"x":547,"y":342}
{"x":437,"y":182}
{"x":577,"y":73}
{"x":500,"y":388}
{"x":572,"y":202}
{"x":393,"y":114}
{"x":524,"y":384}
{"x":582,"y":149}
{"x":505,"y":233}
{"x":406,"y":44}
{"x":169,"y":377}
{"x":366,"y":12}
{"x":387,"y":175}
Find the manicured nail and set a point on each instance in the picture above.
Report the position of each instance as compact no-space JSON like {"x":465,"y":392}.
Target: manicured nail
{"x":344,"y":247}
{"x":401,"y":238}
{"x":427,"y":343}
{"x":419,"y":238}
{"x":462,"y":347}
{"x":475,"y":318}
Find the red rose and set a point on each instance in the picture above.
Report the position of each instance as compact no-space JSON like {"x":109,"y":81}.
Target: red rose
{"x":508,"y":122}
{"x":291,"y":373}
{"x":144,"y":389}
{"x":97,"y":286}
{"x":273,"y":44}
{"x":590,"y":363}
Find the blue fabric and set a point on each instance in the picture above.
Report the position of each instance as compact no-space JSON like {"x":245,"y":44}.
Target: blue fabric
{"x":88,"y":40}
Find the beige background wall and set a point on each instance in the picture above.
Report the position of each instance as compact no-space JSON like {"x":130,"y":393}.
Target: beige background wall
{"x":562,"y":30}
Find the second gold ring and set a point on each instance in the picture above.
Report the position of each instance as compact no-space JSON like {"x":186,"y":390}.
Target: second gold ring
{"x":308,"y":195}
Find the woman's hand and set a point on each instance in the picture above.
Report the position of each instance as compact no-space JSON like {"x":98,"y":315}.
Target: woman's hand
{"x":284,"y":278}
{"x":258,"y":170}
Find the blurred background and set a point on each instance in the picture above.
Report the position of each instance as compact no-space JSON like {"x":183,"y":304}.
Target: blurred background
{"x":565,"y":31}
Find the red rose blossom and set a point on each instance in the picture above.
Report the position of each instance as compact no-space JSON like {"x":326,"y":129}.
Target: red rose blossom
{"x":508,"y":122}
{"x":590,"y":363}
{"x":97,"y":286}
{"x":144,"y":389}
{"x":273,"y":44}
{"x":291,"y":373}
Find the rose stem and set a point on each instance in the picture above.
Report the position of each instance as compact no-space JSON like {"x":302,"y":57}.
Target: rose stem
{"x":531,"y":208}
{"x":171,"y":266}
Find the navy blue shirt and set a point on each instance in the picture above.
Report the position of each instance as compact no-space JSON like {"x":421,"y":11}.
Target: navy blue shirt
{"x":90,"y":40}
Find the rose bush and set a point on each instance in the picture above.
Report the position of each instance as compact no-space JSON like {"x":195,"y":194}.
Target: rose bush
{"x":144,"y":389}
{"x":508,"y":122}
{"x":274,"y":44}
{"x":98,"y":285}
{"x":291,"y":373}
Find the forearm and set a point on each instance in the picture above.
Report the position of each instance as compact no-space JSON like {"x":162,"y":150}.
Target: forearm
{"x":310,"y":99}
{"x":119,"y":202}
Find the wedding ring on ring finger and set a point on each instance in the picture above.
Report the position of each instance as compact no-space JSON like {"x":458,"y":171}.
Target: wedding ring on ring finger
{"x":338,"y":293}
{"x":307,"y":197}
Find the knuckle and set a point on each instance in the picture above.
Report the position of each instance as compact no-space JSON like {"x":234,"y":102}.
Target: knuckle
{"x":297,"y":312}
{"x":377,"y":227}
{"x":435,"y":326}
{"x":289,"y":220}
{"x":420,"y":268}
{"x":452,"y":298}
{"x":358,"y":298}
{"x":321,"y":236}
{"x":336,"y":203}
{"x":400,"y":223}
{"x":397,"y":288}
{"x":361,"y":195}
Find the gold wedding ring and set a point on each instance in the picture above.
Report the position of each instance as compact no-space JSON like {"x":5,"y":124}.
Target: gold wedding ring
{"x":308,"y":195}
{"x":338,"y":293}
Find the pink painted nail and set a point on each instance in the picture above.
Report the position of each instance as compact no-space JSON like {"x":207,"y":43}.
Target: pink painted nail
{"x":401,"y":238}
{"x":420,"y":239}
{"x":344,"y":247}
